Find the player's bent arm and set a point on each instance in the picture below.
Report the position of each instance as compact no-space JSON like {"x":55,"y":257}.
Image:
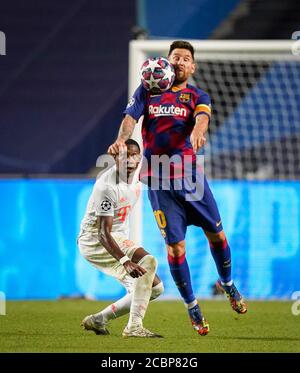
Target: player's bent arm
{"x":106,"y":239}
{"x":125,"y":132}
{"x":198,"y":134}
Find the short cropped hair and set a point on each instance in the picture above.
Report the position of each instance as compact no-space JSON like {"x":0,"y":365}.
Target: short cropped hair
{"x":133,"y":142}
{"x":181,"y":44}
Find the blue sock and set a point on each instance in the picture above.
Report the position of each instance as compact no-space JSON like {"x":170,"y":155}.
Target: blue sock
{"x":222,"y":257}
{"x":181,"y":275}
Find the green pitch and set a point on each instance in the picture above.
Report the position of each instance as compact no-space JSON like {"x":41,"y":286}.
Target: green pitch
{"x":54,"y":326}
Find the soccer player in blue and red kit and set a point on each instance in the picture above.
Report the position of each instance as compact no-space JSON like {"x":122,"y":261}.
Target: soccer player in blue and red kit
{"x":175,"y":123}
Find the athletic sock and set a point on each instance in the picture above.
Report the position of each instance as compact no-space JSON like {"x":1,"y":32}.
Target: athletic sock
{"x":116,"y":309}
{"x":181,"y":275}
{"x":142,"y":289}
{"x":122,"y":306}
{"x":222,"y":257}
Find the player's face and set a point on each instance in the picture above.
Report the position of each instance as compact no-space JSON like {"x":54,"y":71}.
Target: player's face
{"x":183,"y":63}
{"x":133,"y":158}
{"x":129,"y":161}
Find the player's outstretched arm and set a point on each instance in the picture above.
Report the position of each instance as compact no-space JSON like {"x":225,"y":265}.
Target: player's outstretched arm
{"x":107,"y":240}
{"x":125,"y":132}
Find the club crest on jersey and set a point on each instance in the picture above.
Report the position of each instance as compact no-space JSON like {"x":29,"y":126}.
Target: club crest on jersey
{"x":184,"y":97}
{"x":106,"y":205}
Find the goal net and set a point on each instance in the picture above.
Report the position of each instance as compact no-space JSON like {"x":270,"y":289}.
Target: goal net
{"x":255,"y":90}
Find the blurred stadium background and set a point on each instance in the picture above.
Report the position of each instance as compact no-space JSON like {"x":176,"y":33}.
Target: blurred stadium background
{"x":63,"y":87}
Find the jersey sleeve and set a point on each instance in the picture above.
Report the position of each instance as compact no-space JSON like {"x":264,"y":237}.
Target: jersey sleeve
{"x":136,"y":105}
{"x":203,"y":105}
{"x":104,"y":200}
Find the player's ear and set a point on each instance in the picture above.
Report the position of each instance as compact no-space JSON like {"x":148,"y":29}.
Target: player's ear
{"x":193,"y":67}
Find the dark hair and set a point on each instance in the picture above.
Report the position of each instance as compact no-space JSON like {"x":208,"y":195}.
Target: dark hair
{"x":181,"y":44}
{"x":132,"y":142}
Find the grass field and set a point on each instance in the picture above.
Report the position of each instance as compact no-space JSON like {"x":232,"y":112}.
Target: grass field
{"x":54,"y":326}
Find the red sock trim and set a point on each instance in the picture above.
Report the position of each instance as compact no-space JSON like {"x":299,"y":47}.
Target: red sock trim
{"x":176,"y":260}
{"x":218,"y":245}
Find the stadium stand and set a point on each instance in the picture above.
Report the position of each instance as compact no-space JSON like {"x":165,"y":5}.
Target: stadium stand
{"x":63,"y":82}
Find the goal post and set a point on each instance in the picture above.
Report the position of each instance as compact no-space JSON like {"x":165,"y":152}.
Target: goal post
{"x":254,"y":85}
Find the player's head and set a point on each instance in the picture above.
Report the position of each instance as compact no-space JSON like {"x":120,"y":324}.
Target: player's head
{"x":181,"y":55}
{"x":129,"y":161}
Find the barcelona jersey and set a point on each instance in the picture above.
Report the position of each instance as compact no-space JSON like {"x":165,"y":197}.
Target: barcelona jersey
{"x":169,"y":118}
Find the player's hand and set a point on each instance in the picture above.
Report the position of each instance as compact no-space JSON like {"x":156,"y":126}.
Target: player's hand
{"x":197,"y":140}
{"x":133,"y":269}
{"x":117,"y":147}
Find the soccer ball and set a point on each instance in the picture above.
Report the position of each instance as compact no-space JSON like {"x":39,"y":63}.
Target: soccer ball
{"x":157,"y":74}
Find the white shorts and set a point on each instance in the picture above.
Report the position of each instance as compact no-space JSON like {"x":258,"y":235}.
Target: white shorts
{"x":99,"y":257}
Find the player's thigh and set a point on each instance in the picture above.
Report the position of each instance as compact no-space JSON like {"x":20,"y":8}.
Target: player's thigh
{"x":100,"y":258}
{"x":204,"y":212}
{"x":169,"y":214}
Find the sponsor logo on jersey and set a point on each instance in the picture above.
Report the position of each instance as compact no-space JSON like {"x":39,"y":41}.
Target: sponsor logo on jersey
{"x":161,"y":110}
{"x":185,"y":97}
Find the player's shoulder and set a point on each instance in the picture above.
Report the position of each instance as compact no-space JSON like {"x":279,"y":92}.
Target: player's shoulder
{"x":140,"y":95}
{"x":141,"y":91}
{"x":106,"y":182}
{"x":197,"y":91}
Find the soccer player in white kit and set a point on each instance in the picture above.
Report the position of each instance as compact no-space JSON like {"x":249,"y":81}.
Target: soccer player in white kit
{"x":103,"y":241}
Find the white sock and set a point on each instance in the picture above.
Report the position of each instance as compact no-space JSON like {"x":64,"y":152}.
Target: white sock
{"x":227,"y":283}
{"x":116,"y":309}
{"x":142,"y":289}
{"x":157,"y":290}
{"x":122,"y":306}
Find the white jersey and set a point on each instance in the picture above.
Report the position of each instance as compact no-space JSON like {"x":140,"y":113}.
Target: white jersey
{"x":111,"y":197}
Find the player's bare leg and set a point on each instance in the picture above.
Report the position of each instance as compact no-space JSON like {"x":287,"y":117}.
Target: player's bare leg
{"x":181,"y":275}
{"x":221,"y":253}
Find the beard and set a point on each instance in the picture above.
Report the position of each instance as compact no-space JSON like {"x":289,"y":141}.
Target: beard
{"x":180,"y":76}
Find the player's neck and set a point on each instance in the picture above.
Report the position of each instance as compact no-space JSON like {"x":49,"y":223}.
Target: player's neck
{"x":180,"y":85}
{"x":125,"y":178}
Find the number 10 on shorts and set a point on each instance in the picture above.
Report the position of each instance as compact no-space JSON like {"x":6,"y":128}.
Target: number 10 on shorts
{"x":161,"y":221}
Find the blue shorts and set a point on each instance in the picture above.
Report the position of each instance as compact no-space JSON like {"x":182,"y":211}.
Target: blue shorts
{"x":173,"y":212}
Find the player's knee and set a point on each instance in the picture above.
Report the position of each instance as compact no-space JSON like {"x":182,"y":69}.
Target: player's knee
{"x":220,"y":243}
{"x":157,"y":290}
{"x":149,"y":262}
{"x":176,"y":249}
{"x":216,"y":237}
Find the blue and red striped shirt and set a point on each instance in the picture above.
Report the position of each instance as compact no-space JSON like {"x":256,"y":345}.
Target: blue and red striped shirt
{"x":169,"y":119}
